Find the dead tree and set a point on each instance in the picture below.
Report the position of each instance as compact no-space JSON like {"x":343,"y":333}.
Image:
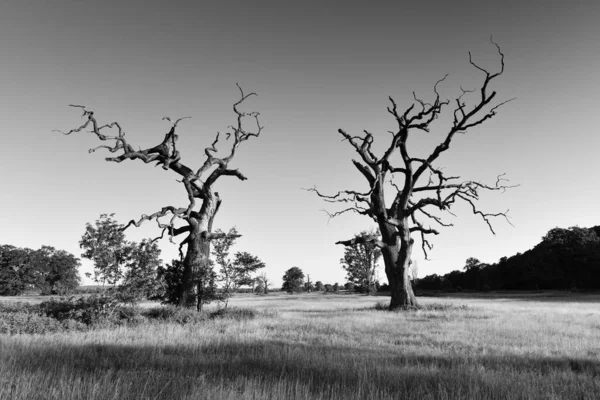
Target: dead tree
{"x":415,"y":197}
{"x":196,"y":218}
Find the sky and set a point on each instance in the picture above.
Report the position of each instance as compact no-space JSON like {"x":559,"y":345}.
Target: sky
{"x":316,"y":66}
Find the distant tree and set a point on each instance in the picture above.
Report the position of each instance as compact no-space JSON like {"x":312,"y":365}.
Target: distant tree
{"x":308,"y":285}
{"x":57,"y":271}
{"x":139,"y":280}
{"x":263,"y":283}
{"x":349,"y":286}
{"x":104,"y":243}
{"x":293,"y":280}
{"x":328,"y":288}
{"x":472,"y":263}
{"x":360,"y":262}
{"x":234,"y":273}
{"x":336,"y":287}
{"x":319,"y":286}
{"x":47,"y":270}
{"x":418,"y":185}
{"x":16,"y":273}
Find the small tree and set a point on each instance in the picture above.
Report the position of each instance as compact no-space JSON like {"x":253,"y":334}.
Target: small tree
{"x":263,"y":283}
{"x":308,"y":285}
{"x":104,"y":243}
{"x":336,"y":287}
{"x":293,"y":280}
{"x":140,"y":277}
{"x":360,"y":262}
{"x":236,"y":273}
{"x":319,"y":286}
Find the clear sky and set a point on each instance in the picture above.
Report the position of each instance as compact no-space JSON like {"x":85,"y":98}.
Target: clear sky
{"x":317,"y":66}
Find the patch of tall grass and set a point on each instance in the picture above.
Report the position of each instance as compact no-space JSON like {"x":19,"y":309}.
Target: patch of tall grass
{"x":320,"y":347}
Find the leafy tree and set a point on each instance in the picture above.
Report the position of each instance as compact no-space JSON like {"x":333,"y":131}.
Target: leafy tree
{"x":57,"y":270}
{"x":472,"y":263}
{"x":418,"y":185}
{"x":198,"y":184}
{"x":360,"y":262}
{"x":349,"y":286}
{"x":139,"y":280}
{"x":236,"y":273}
{"x":319,"y":286}
{"x":15,"y":271}
{"x":293,"y":280}
{"x":104,"y":243}
{"x":48,"y":270}
{"x":336,"y":287}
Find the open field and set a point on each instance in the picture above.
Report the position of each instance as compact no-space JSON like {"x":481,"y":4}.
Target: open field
{"x":319,"y":346}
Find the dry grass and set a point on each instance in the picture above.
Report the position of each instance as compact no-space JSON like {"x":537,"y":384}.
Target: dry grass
{"x":325,"y":347}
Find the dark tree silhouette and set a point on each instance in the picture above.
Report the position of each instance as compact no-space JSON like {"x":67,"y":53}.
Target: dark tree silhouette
{"x":199,"y":186}
{"x":293,"y":280}
{"x":403,"y":217}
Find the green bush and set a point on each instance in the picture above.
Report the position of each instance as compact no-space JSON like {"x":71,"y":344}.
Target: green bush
{"x":26,"y":322}
{"x":169,"y":313}
{"x":238,"y":314}
{"x":97,"y":310}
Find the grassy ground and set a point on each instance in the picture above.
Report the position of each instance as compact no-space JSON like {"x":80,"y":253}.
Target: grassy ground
{"x":319,"y":346}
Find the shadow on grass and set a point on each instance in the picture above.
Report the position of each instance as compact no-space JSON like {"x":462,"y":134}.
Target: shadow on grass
{"x":347,"y":372}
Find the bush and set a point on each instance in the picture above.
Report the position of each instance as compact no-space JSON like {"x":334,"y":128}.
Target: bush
{"x":26,"y":322}
{"x":100,"y":311}
{"x":86,"y":310}
{"x":238,"y":314}
{"x":174,"y":314}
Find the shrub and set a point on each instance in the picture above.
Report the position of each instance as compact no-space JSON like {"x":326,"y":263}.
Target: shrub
{"x":86,"y":310}
{"x":238,"y":314}
{"x":174,"y":314}
{"x":18,"y":306}
{"x":98,"y":310}
{"x":26,"y":322}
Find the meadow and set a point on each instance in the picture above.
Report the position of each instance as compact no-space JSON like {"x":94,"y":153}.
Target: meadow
{"x":326,"y":346}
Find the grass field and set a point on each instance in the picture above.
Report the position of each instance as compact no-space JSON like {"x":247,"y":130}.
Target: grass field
{"x":317,"y":346}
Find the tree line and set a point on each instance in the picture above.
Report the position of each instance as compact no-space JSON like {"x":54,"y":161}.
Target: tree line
{"x":566,"y":258}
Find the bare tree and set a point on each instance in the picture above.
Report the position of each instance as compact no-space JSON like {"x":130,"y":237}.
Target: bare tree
{"x":413,"y":198}
{"x":308,"y":285}
{"x":263,"y":282}
{"x":197,"y":217}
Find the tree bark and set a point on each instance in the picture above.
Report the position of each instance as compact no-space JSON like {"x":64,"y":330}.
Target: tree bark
{"x":196,"y":262}
{"x":396,"y":257}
